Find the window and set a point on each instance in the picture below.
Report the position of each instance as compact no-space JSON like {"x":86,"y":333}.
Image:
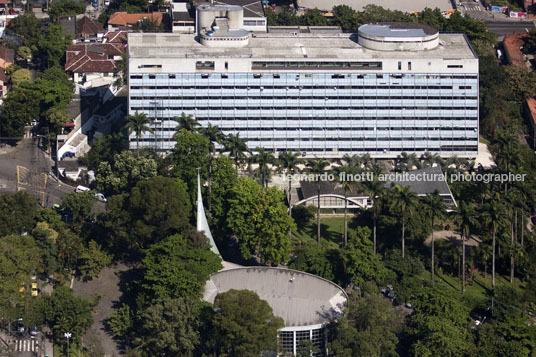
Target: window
{"x":399,"y":65}
{"x":409,"y":66}
{"x":150,"y":66}
{"x":206,"y":65}
{"x":454,"y":66}
{"x":226,"y":65}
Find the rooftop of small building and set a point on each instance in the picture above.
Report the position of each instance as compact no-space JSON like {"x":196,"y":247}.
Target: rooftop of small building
{"x":397,"y":29}
{"x":338,"y":46}
{"x":299,"y":298}
{"x":252,"y":8}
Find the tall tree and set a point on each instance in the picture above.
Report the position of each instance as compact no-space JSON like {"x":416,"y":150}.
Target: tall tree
{"x":138,"y":123}
{"x":436,"y":209}
{"x":466,"y":218}
{"x":53,"y":45}
{"x":169,"y":328}
{"x":243,"y":324}
{"x":186,"y":122}
{"x":375,"y":189}
{"x":317,"y":167}
{"x":65,"y":312}
{"x":259,"y":219}
{"x":405,"y":202}
{"x":263,"y":171}
{"x":344,"y":175}
{"x":288,"y":163}
{"x":215,"y":136}
{"x":493,"y":217}
{"x":236,"y":147}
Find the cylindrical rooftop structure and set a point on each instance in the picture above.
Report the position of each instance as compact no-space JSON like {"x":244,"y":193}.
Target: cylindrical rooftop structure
{"x":306,"y":302}
{"x":398,"y":36}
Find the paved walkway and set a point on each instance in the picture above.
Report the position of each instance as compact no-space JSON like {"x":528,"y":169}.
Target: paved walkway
{"x":452,"y":236}
{"x":107,"y":286}
{"x":484,"y":156}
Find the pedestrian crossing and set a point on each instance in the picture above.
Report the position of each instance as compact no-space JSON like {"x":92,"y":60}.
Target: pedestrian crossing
{"x":473,"y":8}
{"x":27,"y":345}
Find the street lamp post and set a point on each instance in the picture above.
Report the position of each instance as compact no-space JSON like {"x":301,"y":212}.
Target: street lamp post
{"x":67,"y":336}
{"x":9,"y":326}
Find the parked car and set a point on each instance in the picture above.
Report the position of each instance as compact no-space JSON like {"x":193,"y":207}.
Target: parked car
{"x":106,"y":2}
{"x":95,"y":3}
{"x":100,"y":197}
{"x":34,"y":292}
{"x":33,"y":331}
{"x":81,"y":188}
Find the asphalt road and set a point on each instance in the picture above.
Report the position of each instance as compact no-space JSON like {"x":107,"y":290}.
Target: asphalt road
{"x":502,"y":28}
{"x":26,"y":167}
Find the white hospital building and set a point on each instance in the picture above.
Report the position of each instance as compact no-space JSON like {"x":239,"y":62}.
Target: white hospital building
{"x":389,"y":88}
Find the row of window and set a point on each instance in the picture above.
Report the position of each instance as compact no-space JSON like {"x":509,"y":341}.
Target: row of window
{"x":335,"y":139}
{"x":308,"y":130}
{"x":250,"y":87}
{"x":298,"y":119}
{"x":320,"y":107}
{"x":290,"y":97}
{"x":299,"y":76}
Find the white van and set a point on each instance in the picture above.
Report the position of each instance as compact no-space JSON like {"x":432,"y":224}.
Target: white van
{"x":81,"y":188}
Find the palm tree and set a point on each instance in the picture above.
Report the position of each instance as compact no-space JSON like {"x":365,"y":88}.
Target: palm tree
{"x":465,"y":217}
{"x":405,"y":201}
{"x":493,"y":217}
{"x":429,"y":159}
{"x":214,"y":134}
{"x":236,"y":147}
{"x":343,"y":173}
{"x":316,"y":167}
{"x":186,"y":122}
{"x":375,"y":190}
{"x":507,"y":152}
{"x":263,"y":159}
{"x":138,"y":123}
{"x":436,"y":209}
{"x":513,"y":202}
{"x":406,"y":162}
{"x":287,"y":163}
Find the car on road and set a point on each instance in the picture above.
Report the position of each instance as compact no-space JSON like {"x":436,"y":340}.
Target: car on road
{"x":100,"y":197}
{"x":95,"y":3}
{"x":34,"y":291}
{"x":106,"y":2}
{"x":33,"y":331}
{"x":81,"y":188}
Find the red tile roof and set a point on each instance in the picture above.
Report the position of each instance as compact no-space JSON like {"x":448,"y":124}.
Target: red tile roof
{"x":116,"y":36}
{"x":511,"y":47}
{"x":91,"y":57}
{"x":123,"y":18}
{"x":86,"y":26}
{"x":7,"y":54}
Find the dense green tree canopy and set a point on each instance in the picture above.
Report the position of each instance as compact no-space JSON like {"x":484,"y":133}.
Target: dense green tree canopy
{"x":65,"y":312}
{"x":124,"y":172}
{"x":172,"y":269}
{"x":65,"y":7}
{"x":260,"y":221}
{"x":369,"y":328}
{"x":17,"y":213}
{"x":170,"y":328}
{"x":243,"y":324}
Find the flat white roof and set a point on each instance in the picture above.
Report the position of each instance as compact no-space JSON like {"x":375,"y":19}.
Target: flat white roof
{"x":299,"y":298}
{"x":268,"y":46}
{"x":401,"y":5}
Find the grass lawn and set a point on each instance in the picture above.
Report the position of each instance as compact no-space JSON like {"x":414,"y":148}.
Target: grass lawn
{"x":477,"y":290}
{"x":331,"y":231}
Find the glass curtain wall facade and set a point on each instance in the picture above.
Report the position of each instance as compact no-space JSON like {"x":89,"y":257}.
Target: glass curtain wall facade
{"x":324,"y":114}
